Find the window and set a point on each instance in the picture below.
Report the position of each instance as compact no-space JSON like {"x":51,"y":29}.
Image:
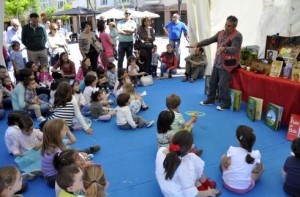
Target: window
{"x":126,"y":1}
{"x":60,"y":4}
{"x":44,"y":4}
{"x":103,"y":2}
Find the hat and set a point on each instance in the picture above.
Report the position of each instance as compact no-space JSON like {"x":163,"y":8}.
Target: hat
{"x":127,"y":12}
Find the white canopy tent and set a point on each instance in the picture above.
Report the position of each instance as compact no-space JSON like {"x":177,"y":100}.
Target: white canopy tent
{"x":257,"y":20}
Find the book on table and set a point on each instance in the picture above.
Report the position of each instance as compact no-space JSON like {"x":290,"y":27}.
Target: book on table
{"x":296,"y":72}
{"x":294,"y":127}
{"x":254,"y":108}
{"x":236,"y":96}
{"x":276,"y":68}
{"x":274,"y":115}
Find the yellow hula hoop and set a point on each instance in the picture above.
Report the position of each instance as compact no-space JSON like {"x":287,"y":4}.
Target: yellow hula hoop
{"x":192,"y":113}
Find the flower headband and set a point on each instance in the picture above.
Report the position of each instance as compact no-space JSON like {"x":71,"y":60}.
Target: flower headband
{"x":174,"y":147}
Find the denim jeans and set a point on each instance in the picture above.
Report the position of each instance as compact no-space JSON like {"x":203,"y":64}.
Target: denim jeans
{"x":163,"y":69}
{"x":176,"y":47}
{"x":2,"y":113}
{"x":124,"y":48}
{"x":220,"y":80}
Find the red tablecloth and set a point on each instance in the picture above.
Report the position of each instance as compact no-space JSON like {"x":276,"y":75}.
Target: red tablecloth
{"x":279,"y":91}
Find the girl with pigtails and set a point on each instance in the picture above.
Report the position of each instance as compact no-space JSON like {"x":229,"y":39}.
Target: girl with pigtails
{"x":242,"y":166}
{"x":179,"y":172}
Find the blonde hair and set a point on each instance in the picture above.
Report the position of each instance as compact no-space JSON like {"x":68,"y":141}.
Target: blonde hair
{"x":128,"y":88}
{"x":52,"y":136}
{"x":94,"y":181}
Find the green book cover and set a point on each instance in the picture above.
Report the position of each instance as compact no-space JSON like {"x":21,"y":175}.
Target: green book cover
{"x":251,"y":108}
{"x":259,"y":106}
{"x":274,"y":115}
{"x":236,"y":96}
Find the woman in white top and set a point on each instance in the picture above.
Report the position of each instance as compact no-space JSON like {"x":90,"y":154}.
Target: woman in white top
{"x":179,"y":172}
{"x":56,"y":43}
{"x":242,"y":166}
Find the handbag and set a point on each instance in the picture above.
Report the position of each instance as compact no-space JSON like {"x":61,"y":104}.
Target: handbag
{"x":147,"y":80}
{"x":97,"y":44}
{"x":137,"y":44}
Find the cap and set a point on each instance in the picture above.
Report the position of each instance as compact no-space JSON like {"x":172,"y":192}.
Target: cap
{"x":127,"y":12}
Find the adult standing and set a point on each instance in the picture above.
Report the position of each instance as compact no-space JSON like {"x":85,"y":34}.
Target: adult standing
{"x":227,"y":59}
{"x":108,"y":51}
{"x":86,"y":40}
{"x":15,"y":33}
{"x":174,"y":30}
{"x":34,"y":37}
{"x":146,"y":35}
{"x":63,"y":31}
{"x":126,"y":28}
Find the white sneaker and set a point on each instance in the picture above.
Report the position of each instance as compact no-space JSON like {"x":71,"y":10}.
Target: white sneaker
{"x":41,"y":119}
{"x":149,"y":124}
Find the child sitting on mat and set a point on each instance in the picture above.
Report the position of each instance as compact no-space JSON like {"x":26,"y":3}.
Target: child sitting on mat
{"x":164,"y":135}
{"x":173,"y":102}
{"x":291,"y":170}
{"x":125,"y":119}
{"x":242,"y":166}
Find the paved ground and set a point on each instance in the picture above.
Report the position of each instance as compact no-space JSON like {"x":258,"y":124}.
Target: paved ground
{"x":161,"y":43}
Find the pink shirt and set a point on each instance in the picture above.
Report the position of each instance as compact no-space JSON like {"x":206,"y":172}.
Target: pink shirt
{"x":104,"y":37}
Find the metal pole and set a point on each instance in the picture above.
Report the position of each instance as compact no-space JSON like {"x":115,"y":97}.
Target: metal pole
{"x":179,"y":7}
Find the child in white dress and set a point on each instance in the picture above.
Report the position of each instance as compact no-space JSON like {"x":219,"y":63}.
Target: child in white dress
{"x":242,"y":166}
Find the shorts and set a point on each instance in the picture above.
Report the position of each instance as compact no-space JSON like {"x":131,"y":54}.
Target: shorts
{"x":240,"y":191}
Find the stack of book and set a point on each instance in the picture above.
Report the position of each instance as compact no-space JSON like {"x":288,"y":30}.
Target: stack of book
{"x":254,"y":109}
{"x":274,"y":115}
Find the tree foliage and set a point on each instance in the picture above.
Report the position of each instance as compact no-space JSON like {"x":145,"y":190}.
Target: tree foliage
{"x":50,"y":11}
{"x":16,"y":8}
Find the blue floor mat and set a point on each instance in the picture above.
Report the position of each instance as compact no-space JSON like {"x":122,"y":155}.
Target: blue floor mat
{"x":128,"y":157}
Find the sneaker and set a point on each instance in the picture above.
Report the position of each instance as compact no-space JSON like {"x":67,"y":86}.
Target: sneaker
{"x":149,"y":124}
{"x":144,"y":108}
{"x":94,"y":149}
{"x":28,"y":176}
{"x":184,"y":79}
{"x":192,"y":80}
{"x":207,"y":102}
{"x":222,"y":107}
{"x":41,"y":119}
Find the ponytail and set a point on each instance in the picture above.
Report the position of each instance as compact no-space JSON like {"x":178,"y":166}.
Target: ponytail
{"x":180,"y":145}
{"x":171,"y":164}
{"x":246,"y":137}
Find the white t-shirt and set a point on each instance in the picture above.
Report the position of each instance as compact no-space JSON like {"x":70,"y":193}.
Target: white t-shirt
{"x":238,"y":175}
{"x":124,"y":116}
{"x":87,"y":93}
{"x":183,"y":181}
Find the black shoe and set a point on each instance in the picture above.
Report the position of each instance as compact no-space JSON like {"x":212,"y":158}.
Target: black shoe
{"x":144,"y":108}
{"x":170,"y":76}
{"x":223,"y":107}
{"x":207,"y":102}
{"x":94,"y":149}
{"x":23,"y":188}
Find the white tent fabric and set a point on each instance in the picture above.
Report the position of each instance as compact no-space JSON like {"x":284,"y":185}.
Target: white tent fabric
{"x":2,"y":62}
{"x":257,"y":19}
